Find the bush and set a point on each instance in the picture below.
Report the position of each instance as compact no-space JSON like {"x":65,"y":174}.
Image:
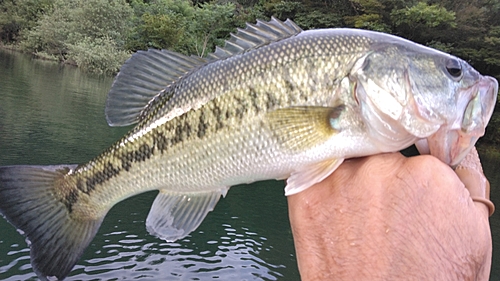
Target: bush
{"x":156,"y":31}
{"x":97,"y":55}
{"x":70,"y":24}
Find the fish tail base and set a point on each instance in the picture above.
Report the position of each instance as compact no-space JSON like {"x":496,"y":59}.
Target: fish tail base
{"x":29,"y":201}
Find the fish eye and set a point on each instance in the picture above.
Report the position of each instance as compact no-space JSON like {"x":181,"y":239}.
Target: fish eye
{"x":454,"y":68}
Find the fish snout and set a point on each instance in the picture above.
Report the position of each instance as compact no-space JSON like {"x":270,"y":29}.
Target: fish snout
{"x":451,"y":143}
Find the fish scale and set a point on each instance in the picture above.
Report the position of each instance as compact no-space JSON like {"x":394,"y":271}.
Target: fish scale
{"x":233,"y":102}
{"x":275,"y":102}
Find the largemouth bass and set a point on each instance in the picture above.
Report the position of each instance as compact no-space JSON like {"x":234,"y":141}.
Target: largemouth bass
{"x":275,"y":102}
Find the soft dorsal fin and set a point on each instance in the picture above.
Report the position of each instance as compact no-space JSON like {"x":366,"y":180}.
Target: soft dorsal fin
{"x":141,"y":79}
{"x":255,"y":36}
{"x":144,"y":77}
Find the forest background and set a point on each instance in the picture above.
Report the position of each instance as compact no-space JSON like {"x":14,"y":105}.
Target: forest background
{"x":99,"y":35}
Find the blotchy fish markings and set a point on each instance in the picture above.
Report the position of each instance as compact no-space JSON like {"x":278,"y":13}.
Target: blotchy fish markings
{"x":197,"y":123}
{"x":275,"y":102}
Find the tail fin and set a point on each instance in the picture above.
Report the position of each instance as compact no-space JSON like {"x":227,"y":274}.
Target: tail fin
{"x":30,"y":199}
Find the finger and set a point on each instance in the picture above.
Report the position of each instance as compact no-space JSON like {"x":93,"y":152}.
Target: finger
{"x":471,"y":174}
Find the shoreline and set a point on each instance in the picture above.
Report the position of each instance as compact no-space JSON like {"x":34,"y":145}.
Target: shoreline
{"x":38,"y":56}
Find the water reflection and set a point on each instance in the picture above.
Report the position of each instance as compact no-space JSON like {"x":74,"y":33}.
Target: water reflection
{"x":233,"y":255}
{"x":225,"y":247}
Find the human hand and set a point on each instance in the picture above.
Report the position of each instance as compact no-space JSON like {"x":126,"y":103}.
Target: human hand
{"x":388,"y":217}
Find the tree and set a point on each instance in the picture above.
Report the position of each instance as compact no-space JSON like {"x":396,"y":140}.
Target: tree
{"x":16,"y":16}
{"x":421,"y":21}
{"x":307,"y":14}
{"x":69,"y":30}
{"x":211,"y":24}
{"x":369,"y":14}
{"x":159,"y":24}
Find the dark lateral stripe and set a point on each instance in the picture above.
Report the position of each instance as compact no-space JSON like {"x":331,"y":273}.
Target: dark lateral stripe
{"x":199,"y":124}
{"x":70,"y":199}
{"x":88,"y":184}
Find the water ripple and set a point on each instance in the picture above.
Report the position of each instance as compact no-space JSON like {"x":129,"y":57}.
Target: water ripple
{"x":217,"y":251}
{"x":234,"y":255}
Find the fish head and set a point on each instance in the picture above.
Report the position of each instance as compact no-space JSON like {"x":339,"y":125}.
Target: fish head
{"x":451,"y":143}
{"x":405,"y":89}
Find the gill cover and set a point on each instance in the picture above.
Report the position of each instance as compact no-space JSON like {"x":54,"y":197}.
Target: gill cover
{"x":388,"y":99}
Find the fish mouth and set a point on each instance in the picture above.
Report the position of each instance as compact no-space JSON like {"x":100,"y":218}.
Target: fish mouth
{"x":453,"y":141}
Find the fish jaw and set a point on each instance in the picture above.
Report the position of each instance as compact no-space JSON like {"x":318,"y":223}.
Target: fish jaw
{"x":452,"y":142}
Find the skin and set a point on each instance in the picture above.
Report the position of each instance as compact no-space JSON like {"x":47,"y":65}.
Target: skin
{"x":388,"y":217}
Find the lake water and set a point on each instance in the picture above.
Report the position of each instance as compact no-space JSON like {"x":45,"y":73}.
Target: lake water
{"x":51,"y":114}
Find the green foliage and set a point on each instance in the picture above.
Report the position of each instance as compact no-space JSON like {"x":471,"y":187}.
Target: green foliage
{"x":368,"y":16}
{"x":51,"y":33}
{"x":318,"y":19}
{"x":445,"y":47}
{"x":211,"y":24}
{"x":488,"y":58}
{"x":97,"y":55}
{"x":158,"y":24}
{"x":368,"y":21}
{"x":307,"y":14}
{"x":16,"y":16}
{"x":161,"y":31}
{"x":179,"y":26}
{"x":420,"y":20}
{"x":423,"y":14}
{"x":284,"y":9}
{"x":85,"y":31}
{"x":70,"y":25}
{"x":100,"y":19}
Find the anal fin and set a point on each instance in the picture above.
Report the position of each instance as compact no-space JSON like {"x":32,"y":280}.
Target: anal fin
{"x":174,"y":215}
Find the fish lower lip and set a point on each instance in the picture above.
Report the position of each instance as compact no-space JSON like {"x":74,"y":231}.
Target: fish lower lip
{"x":452,"y":143}
{"x":451,"y":146}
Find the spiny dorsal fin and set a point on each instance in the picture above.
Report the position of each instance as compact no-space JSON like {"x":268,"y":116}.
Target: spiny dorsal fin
{"x":141,"y":79}
{"x":256,"y":35}
{"x":145,"y":76}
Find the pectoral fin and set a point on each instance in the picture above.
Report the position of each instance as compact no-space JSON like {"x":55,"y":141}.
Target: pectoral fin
{"x":174,"y":215}
{"x":300,"y":128}
{"x":309,"y":175}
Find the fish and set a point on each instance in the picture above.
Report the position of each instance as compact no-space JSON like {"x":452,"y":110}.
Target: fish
{"x":276,"y":102}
